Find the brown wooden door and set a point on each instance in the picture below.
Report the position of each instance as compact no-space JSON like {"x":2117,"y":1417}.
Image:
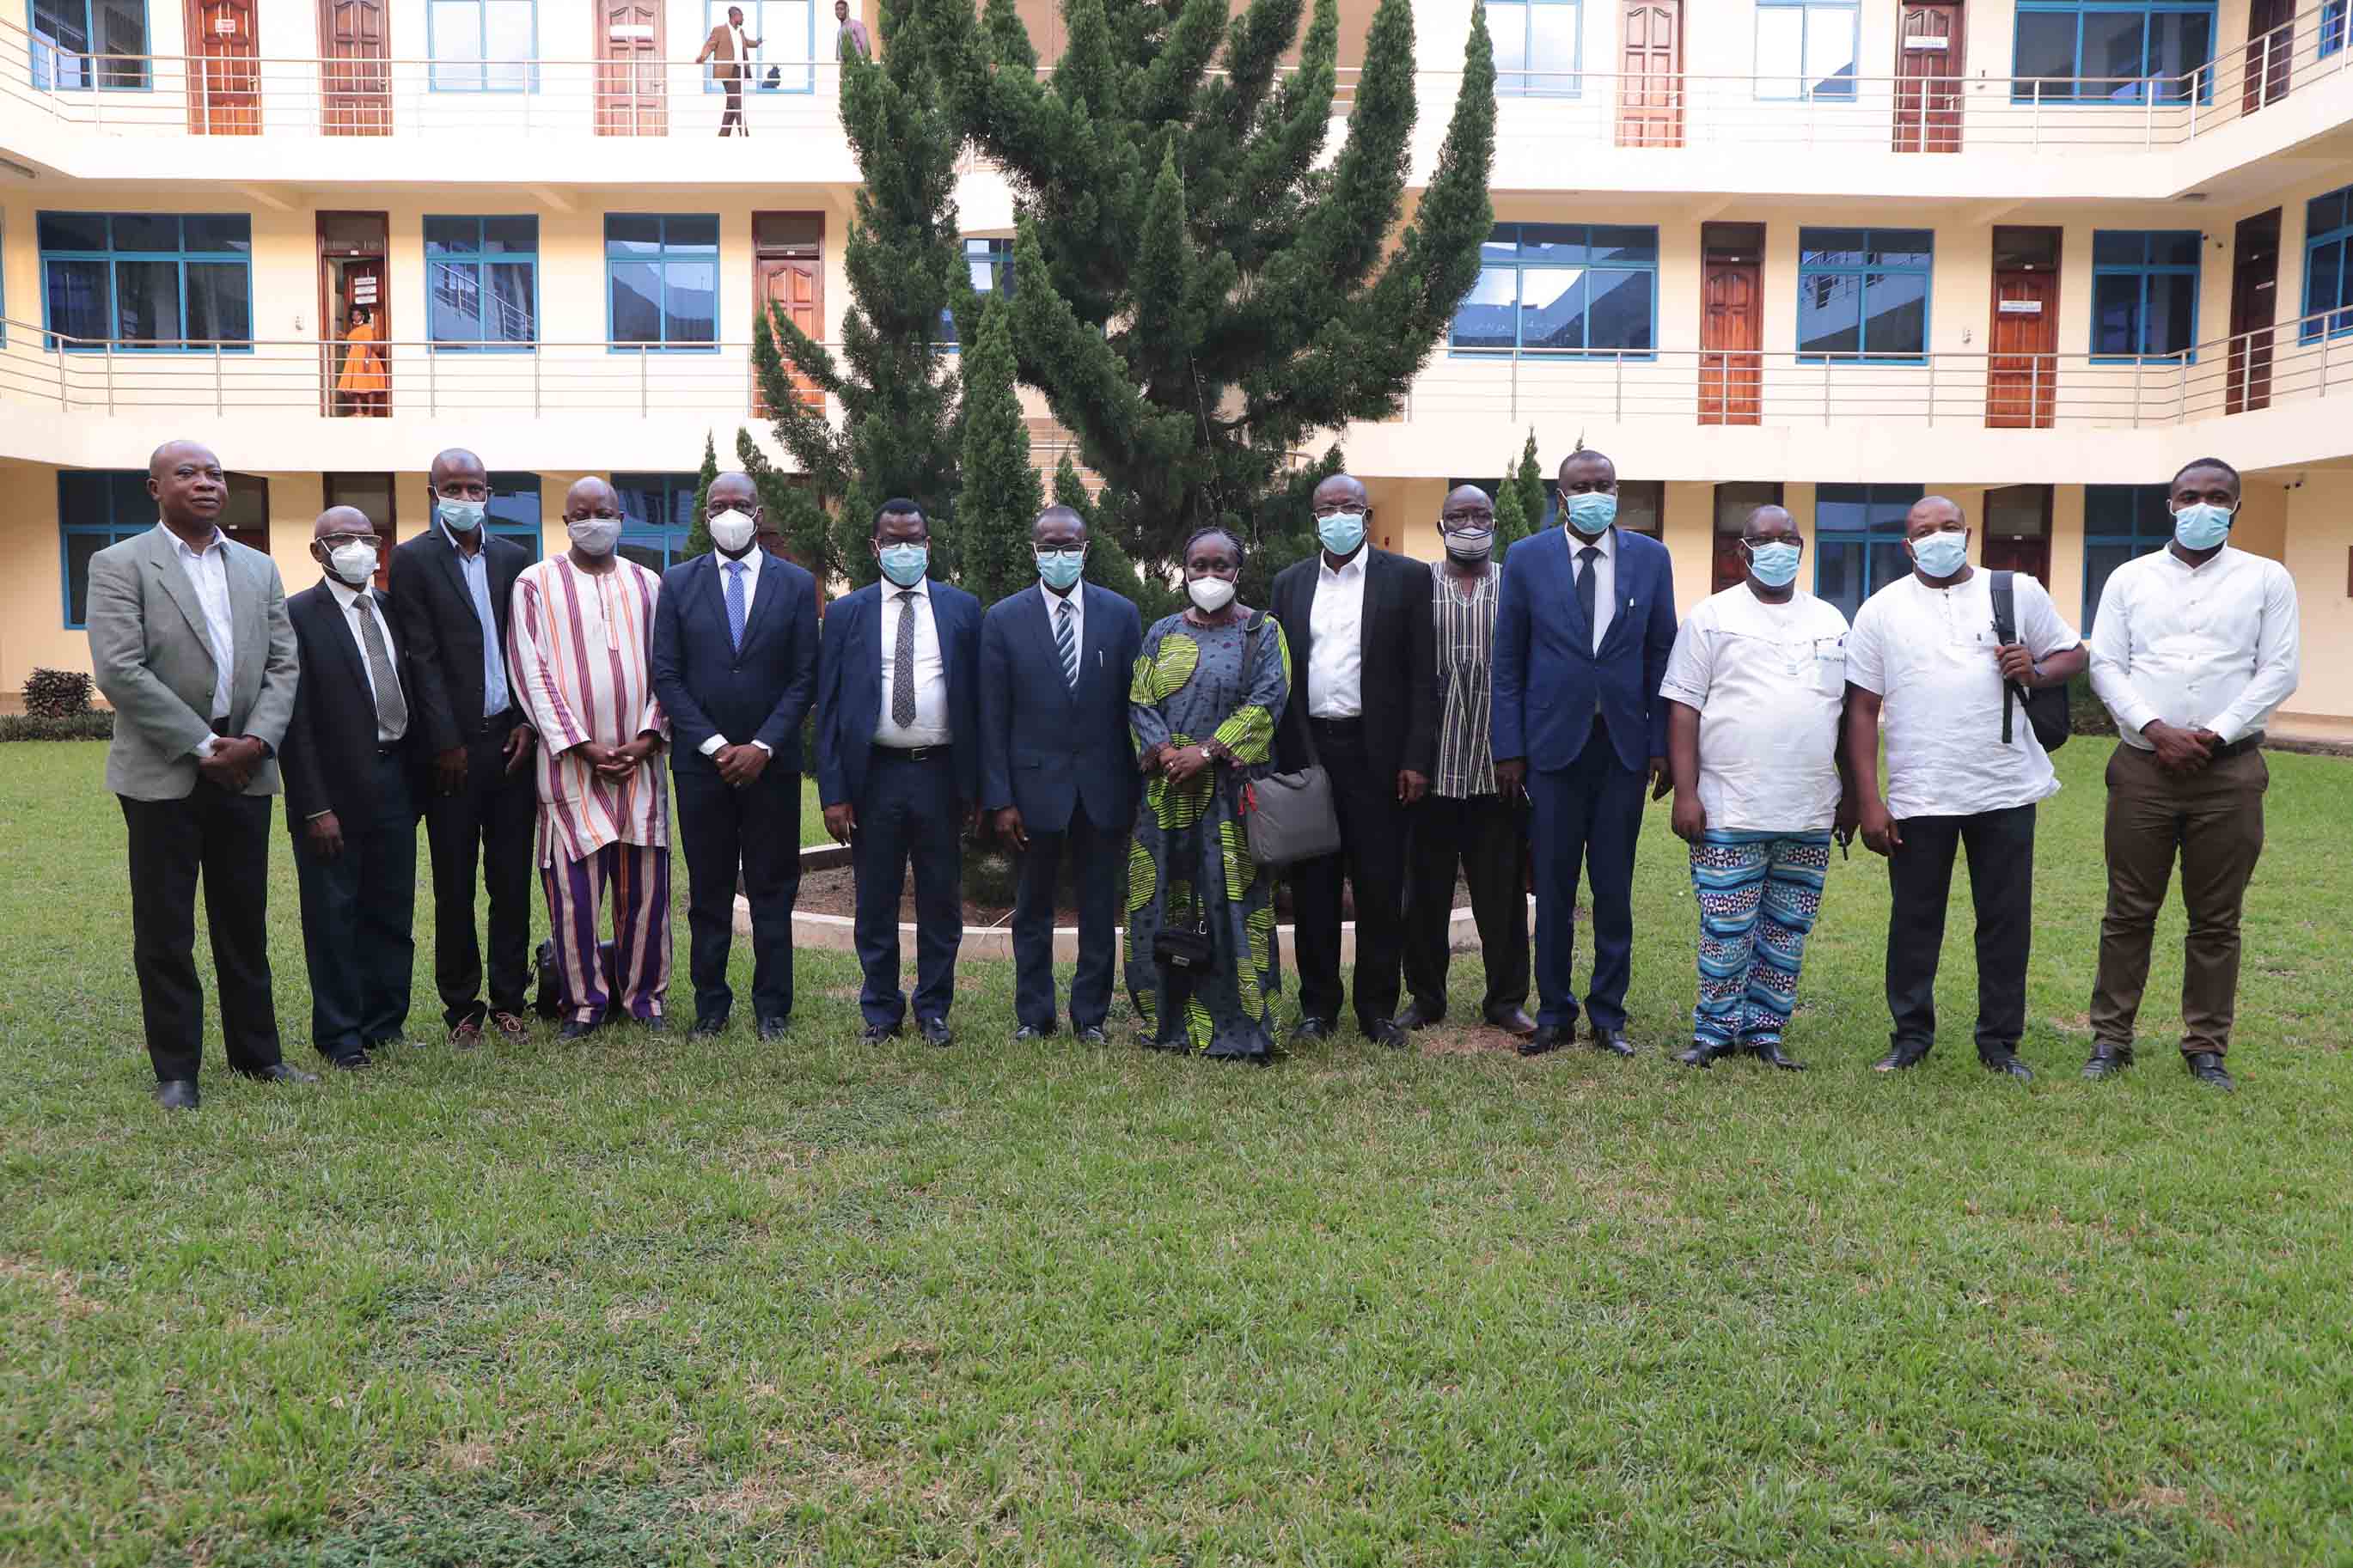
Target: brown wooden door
{"x":2022,"y":365}
{"x":355,"y":72}
{"x":796,"y":285}
{"x":223,"y":69}
{"x":630,"y":96}
{"x":2254,"y":306}
{"x":2270,"y":53}
{"x":1731,"y":334}
{"x":1929,"y":50}
{"x":1651,"y":90}
{"x":2029,"y":555}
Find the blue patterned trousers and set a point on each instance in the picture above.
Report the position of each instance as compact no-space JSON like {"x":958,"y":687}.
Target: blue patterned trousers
{"x":1758,"y":894}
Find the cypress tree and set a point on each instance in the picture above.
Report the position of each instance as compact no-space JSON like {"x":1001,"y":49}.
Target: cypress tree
{"x":794,"y":509}
{"x":1511,"y":517}
{"x":1000,"y":496}
{"x":1529,"y":482}
{"x":698,"y":536}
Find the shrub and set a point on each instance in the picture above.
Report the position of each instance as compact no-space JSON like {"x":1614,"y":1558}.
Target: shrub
{"x":56,"y":693}
{"x":83,"y":726}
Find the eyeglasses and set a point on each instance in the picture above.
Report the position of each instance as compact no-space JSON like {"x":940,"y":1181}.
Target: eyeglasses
{"x":337,"y":541}
{"x":1043,"y":551}
{"x":1753,"y":540}
{"x":1340,"y":509}
{"x":1467,"y":519}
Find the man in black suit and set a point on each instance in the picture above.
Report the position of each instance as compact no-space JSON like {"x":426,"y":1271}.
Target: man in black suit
{"x":1363,"y":702}
{"x":450,"y":589}
{"x":350,"y":804}
{"x":734,"y":664}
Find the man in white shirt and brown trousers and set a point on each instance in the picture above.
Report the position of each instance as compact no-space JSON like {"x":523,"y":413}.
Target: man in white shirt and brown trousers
{"x":729,"y":53}
{"x":2194,"y":647}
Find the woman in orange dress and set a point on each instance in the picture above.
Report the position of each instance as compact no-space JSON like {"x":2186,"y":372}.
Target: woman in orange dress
{"x":365,"y":384}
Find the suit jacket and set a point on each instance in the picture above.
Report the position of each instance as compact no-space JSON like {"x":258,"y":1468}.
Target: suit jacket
{"x":849,"y":688}
{"x":435,"y":615}
{"x":152,"y":658}
{"x":720,"y":50}
{"x":1044,"y":745}
{"x":1400,"y":680}
{"x":329,"y":751}
{"x":709,"y":687}
{"x":1549,"y":678}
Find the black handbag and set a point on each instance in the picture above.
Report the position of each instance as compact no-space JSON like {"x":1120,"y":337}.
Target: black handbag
{"x":1186,"y":949}
{"x":2046,"y":706}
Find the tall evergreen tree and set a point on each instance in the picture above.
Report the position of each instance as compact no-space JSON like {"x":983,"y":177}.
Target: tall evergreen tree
{"x":1000,"y":496}
{"x":1511,"y":517}
{"x":698,"y":537}
{"x":1196,"y":291}
{"x":794,"y":509}
{"x":1529,"y":482}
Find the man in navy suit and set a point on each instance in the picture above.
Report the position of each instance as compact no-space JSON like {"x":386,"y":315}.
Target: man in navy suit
{"x":898,"y":763}
{"x":1058,"y":764}
{"x":734,"y":664}
{"x":1583,"y":628}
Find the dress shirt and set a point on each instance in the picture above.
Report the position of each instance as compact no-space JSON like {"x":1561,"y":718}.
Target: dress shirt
{"x":349,"y":599}
{"x":1335,"y":639}
{"x":930,"y":725}
{"x":208,"y":571}
{"x":1076,"y":600}
{"x":855,"y":31}
{"x":476,"y":570}
{"x":751,"y":564}
{"x":1605,"y":575}
{"x":736,"y":33}
{"x":1770,"y":684}
{"x":2206,"y":647}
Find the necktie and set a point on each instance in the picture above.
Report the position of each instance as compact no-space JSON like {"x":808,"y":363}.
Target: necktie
{"x":391,"y":707}
{"x":1067,"y":640}
{"x":735,"y":603}
{"x":902,"y":664}
{"x":1585,"y":560}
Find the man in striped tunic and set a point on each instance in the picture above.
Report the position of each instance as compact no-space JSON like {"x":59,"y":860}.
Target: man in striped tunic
{"x":579,"y":644}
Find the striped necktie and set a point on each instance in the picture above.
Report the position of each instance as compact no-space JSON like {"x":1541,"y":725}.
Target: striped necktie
{"x":735,"y":603}
{"x":1067,"y":641}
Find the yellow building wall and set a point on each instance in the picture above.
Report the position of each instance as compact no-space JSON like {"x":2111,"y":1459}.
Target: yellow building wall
{"x":2319,"y":554}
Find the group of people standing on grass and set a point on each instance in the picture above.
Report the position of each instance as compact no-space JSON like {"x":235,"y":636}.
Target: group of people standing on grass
{"x":1499,"y":720}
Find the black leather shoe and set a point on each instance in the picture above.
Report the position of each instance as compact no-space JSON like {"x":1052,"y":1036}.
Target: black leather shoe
{"x":1613,"y":1041}
{"x":2205,"y":1067}
{"x":1386,"y":1032}
{"x":1308,"y":1030}
{"x":2107,"y":1061}
{"x":574,"y":1029}
{"x":281,"y":1072}
{"x":1413,"y":1017}
{"x":1030,"y":1032}
{"x":875,"y":1034}
{"x":352,"y":1061}
{"x":710,"y":1028}
{"x":775,"y":1028}
{"x":1547,"y":1037}
{"x":1703,"y":1055}
{"x":1771,"y":1053}
{"x":178,"y":1094}
{"x":657,"y":1025}
{"x":1514,"y":1022}
{"x":1093,"y":1035}
{"x":936,"y":1030}
{"x":1910,"y":1054}
{"x":2006,"y":1063}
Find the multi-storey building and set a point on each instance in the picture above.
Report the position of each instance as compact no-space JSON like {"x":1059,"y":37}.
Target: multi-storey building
{"x":2032,"y":254}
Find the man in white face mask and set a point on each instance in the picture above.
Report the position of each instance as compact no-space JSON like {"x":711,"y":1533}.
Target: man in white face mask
{"x":352,"y":799}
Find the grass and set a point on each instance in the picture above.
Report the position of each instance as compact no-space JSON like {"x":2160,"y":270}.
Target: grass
{"x":671,"y":1301}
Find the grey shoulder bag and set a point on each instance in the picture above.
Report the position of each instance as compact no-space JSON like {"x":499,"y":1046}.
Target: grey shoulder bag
{"x":1287,"y":817}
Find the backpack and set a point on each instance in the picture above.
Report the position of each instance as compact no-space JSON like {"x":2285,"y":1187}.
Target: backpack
{"x":2046,"y":706}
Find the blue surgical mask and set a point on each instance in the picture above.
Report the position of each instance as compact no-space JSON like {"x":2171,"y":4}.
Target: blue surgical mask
{"x":1591,"y":513}
{"x":1943,"y":553}
{"x":1342,"y":532}
{"x":1775,"y":565}
{"x":464,"y":516}
{"x":1061,"y":568}
{"x":904,"y":563}
{"x":2202,"y":525}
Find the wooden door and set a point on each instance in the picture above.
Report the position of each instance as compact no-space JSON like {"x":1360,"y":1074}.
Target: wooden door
{"x":355,"y":69}
{"x":223,"y":69}
{"x":2029,"y":555}
{"x":630,"y":96}
{"x":796,"y":284}
{"x":1929,"y":50}
{"x":1650,"y":89}
{"x":1732,"y":334}
{"x":2023,"y":363}
{"x":355,"y":274}
{"x":2254,"y":305}
{"x":2270,"y":53}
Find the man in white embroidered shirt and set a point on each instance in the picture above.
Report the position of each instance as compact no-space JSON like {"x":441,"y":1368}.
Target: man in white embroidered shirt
{"x":2193,"y":647}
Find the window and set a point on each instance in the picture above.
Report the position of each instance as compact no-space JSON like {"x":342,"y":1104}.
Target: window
{"x":661,"y":280}
{"x":2329,"y":263}
{"x":246,"y":517}
{"x":482,"y":45}
{"x":78,"y":44}
{"x":1862,"y":293}
{"x":658,"y":511}
{"x":1858,"y":543}
{"x":1537,"y":47}
{"x":2120,"y":521}
{"x":1734,"y":503}
{"x":1642,"y":505}
{"x":1563,"y":289}
{"x":2145,"y":294}
{"x":96,"y":508}
{"x":482,"y":281}
{"x":514,"y":511}
{"x":2333,"y":19}
{"x":2113,"y":51}
{"x":787,"y":31}
{"x":990,"y":262}
{"x":1805,"y":49}
{"x":153,"y":283}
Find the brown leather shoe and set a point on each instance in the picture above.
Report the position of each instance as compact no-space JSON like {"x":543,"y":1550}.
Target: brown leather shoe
{"x":511,"y":1029}
{"x":1514,"y":1022}
{"x":466,"y":1035}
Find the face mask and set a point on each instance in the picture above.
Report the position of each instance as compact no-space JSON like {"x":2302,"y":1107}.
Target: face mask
{"x":1211,"y":594}
{"x":2202,"y":525}
{"x":354,"y":563}
{"x":1341,"y":532}
{"x":904,"y":563}
{"x":1060,"y":568}
{"x":731,"y":530}
{"x":594,"y":536}
{"x":1470,"y":543}
{"x":1942,"y":554}
{"x":1591,"y":512}
{"x":1775,"y":565}
{"x":463,"y":516}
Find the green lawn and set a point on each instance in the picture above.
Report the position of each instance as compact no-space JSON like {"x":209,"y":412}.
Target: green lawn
{"x":655,"y":1300}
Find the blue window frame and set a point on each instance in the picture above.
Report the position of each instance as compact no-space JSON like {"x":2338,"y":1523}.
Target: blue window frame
{"x":1539,"y":47}
{"x":1862,"y":294}
{"x":1555,"y":288}
{"x":514,"y":511}
{"x":2120,"y":521}
{"x":787,"y":33}
{"x":2113,"y":51}
{"x":150,"y":282}
{"x":2333,"y":21}
{"x":96,"y":508}
{"x":1858,"y":543}
{"x":2145,"y":295}
{"x":990,"y":263}
{"x":79,"y":44}
{"x":2329,"y":265}
{"x":481,"y":282}
{"x":1806,"y":51}
{"x":482,"y":45}
{"x":661,"y":280}
{"x":658,"y":512}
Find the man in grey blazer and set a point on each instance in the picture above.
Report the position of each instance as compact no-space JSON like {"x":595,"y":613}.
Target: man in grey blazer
{"x":190,"y":641}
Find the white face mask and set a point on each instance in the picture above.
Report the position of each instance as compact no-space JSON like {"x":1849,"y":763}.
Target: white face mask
{"x":1211,"y":594}
{"x":354,"y":563}
{"x":596,"y":535}
{"x":732,"y":531}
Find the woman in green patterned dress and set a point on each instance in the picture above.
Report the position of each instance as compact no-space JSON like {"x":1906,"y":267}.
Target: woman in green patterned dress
{"x":1203,"y":724}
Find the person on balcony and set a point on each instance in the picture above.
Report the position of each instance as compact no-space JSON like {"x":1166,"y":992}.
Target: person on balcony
{"x":849,"y":34}
{"x":729,"y":54}
{"x":365,"y":385}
